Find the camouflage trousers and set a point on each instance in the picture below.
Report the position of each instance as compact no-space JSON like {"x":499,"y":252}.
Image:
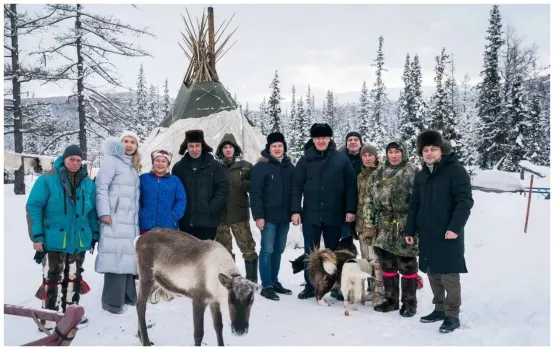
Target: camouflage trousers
{"x":243,"y":237}
{"x":392,"y":264}
{"x":377,"y":293}
{"x":61,"y":280}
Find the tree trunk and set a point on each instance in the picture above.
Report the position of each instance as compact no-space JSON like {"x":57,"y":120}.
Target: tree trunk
{"x":80,"y":87}
{"x":19,"y":185}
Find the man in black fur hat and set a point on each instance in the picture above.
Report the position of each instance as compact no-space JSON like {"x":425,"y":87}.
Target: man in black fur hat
{"x":326,"y":179}
{"x":439,"y":209}
{"x":206,"y":185}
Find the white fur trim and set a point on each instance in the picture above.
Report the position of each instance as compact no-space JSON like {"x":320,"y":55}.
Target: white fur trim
{"x":126,"y":133}
{"x":113,"y":146}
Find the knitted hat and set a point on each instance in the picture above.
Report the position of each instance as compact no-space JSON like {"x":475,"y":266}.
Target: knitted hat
{"x":432,"y":138}
{"x":72,"y":150}
{"x":161,"y":153}
{"x":354,"y":133}
{"x":393,"y":145}
{"x":275,"y":137}
{"x":130,"y":133}
{"x":194,"y":136}
{"x":369,"y":149}
{"x":321,"y":130}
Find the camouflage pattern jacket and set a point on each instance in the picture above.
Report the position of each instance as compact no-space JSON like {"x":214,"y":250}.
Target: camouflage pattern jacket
{"x":387,"y":203}
{"x":364,"y":180}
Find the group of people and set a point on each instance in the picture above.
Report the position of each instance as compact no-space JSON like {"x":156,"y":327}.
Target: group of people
{"x":395,"y":210}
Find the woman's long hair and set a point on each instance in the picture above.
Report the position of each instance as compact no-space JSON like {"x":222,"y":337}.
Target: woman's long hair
{"x":136,"y":161}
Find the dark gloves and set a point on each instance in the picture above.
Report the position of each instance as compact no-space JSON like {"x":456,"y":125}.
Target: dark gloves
{"x":38,"y":257}
{"x":93,"y":245}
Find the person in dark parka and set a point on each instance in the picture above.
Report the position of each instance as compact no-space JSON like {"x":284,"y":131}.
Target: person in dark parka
{"x":439,"y":209}
{"x":327,"y":181}
{"x":270,"y":191}
{"x":206,"y":186}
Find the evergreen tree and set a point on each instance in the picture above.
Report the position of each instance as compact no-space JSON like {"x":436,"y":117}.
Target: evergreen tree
{"x":274,"y":105}
{"x":141,"y":105}
{"x":439,"y":102}
{"x":309,"y":109}
{"x":363,"y":114}
{"x":379,"y":101}
{"x":517,"y":114}
{"x":451,"y":131}
{"x":166,"y":103}
{"x":419,"y":120}
{"x":468,"y":124}
{"x":263,"y":119}
{"x":329,"y":112}
{"x":492,"y":135}
{"x":535,"y":146}
{"x":406,"y":108}
{"x":153,"y":110}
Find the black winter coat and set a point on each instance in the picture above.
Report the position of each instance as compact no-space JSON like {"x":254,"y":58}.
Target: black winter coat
{"x":328,"y":182}
{"x":441,"y":201}
{"x":270,"y":189}
{"x":356,"y":160}
{"x":206,"y":189}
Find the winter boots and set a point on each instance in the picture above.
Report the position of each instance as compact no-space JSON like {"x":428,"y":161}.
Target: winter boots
{"x":449,"y":324}
{"x":409,"y":299}
{"x":269,"y":293}
{"x":391,"y":294}
{"x":251,"y":267}
{"x":278,"y":288}
{"x":433,"y":317}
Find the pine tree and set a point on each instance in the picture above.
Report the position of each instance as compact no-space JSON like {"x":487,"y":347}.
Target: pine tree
{"x":439,"y":106}
{"x":379,"y":101}
{"x":141,"y":105}
{"x":517,"y":114}
{"x":153,"y":110}
{"x":363,"y":114}
{"x":166,"y":103}
{"x":492,"y":136}
{"x":274,"y":105}
{"x":330,"y":111}
{"x":420,"y":119}
{"x":467,"y":125}
{"x":535,"y":147}
{"x":451,"y":131}
{"x":263,"y":119}
{"x":406,"y":108}
{"x":310,"y":110}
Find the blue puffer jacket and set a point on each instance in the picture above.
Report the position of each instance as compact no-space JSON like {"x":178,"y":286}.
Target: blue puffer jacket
{"x":62,"y":223}
{"x":162,"y":201}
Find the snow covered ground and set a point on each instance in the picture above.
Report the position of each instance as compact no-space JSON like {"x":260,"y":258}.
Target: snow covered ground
{"x":505,"y":296}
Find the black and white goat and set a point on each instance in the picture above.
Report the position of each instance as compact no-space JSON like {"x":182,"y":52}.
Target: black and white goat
{"x":175,"y":263}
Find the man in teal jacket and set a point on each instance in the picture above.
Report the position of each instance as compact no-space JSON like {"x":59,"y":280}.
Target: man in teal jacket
{"x":63,"y":225}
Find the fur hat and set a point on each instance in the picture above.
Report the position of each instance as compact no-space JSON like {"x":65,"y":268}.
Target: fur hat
{"x":432,"y":138}
{"x":354,"y":133}
{"x":275,"y":137}
{"x":321,"y":130}
{"x":72,"y":150}
{"x":133,"y":134}
{"x":161,"y":153}
{"x":194,"y":136}
{"x":369,"y":149}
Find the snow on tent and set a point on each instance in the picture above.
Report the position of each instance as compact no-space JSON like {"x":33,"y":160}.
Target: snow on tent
{"x":496,"y":181}
{"x":203,"y":102}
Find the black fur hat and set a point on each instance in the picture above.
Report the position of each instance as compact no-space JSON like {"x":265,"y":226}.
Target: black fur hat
{"x":321,"y":130}
{"x":275,"y":137}
{"x":194,"y":136}
{"x":432,"y":138}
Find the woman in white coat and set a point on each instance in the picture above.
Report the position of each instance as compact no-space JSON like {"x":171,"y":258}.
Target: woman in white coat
{"x":117,"y":204}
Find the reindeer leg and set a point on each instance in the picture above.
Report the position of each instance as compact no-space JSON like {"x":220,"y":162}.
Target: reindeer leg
{"x":218,"y":323}
{"x":198,"y":309}
{"x":146,"y":284}
{"x":363,"y":294}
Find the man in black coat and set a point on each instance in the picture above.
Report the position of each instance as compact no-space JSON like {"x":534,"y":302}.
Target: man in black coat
{"x":439,"y":209}
{"x":326,"y":179}
{"x":205,"y":183}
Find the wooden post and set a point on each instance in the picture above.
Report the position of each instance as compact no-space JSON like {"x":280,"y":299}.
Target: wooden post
{"x":529,"y":203}
{"x":211,"y":38}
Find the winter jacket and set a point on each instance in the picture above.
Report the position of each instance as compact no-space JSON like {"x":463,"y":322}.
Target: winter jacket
{"x":162,"y":201}
{"x":364,"y":182}
{"x":356,"y":160}
{"x":62,"y":213}
{"x":441,"y":201}
{"x":328,"y":183}
{"x":206,"y":185}
{"x":387,"y":203}
{"x":237,"y":208}
{"x":117,"y":195}
{"x":270,"y":189}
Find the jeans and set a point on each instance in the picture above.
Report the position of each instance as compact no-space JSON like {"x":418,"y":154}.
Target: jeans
{"x":312,"y":236}
{"x":274,"y":239}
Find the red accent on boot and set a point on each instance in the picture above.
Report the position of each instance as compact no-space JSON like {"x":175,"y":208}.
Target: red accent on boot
{"x":41,"y":292}
{"x":390,"y":274}
{"x":419,"y":282}
{"x":84,"y":287}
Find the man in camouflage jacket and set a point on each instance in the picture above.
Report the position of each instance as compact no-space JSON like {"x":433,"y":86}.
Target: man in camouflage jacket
{"x":386,"y":212}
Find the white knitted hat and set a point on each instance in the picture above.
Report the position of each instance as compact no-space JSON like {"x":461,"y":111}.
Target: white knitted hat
{"x":126,"y":133}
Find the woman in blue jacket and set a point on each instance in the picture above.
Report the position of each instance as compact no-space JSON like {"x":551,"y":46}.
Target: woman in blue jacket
{"x":162,"y":196}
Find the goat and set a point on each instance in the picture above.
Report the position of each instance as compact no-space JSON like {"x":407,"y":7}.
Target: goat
{"x":172,"y":262}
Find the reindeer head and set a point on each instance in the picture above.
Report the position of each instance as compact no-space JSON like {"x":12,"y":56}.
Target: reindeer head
{"x":241,"y":298}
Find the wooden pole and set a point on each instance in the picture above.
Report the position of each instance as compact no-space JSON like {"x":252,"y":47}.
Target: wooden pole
{"x":529,"y":203}
{"x":211,"y":38}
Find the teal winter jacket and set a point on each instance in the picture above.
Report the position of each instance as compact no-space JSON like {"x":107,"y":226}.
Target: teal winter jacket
{"x":64,"y":221}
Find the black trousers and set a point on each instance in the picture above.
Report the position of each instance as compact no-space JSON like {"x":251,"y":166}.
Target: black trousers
{"x":202,"y":233}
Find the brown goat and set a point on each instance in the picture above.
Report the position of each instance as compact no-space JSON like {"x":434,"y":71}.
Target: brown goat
{"x":172,"y":262}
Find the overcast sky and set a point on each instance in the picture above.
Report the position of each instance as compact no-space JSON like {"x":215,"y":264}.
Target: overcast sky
{"x":326,"y":46}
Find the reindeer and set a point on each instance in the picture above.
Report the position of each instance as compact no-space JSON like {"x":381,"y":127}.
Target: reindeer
{"x":172,"y":262}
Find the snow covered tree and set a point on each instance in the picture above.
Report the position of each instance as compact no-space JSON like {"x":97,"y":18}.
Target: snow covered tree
{"x":93,"y":39}
{"x":330,"y":111}
{"x":467,"y":124}
{"x":379,"y":101}
{"x":263,"y":119}
{"x":363,"y":114}
{"x":492,"y":134}
{"x":406,"y":108}
{"x":166,"y":103}
{"x":451,"y":130}
{"x":535,"y":146}
{"x":274,"y":105}
{"x":420,"y":119}
{"x":141,"y":106}
{"x":439,"y":102}
{"x":153,"y":111}
{"x":310,"y":109}
{"x":517,"y":115}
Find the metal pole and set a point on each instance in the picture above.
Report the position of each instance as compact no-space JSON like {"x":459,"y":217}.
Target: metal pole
{"x":529,"y":203}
